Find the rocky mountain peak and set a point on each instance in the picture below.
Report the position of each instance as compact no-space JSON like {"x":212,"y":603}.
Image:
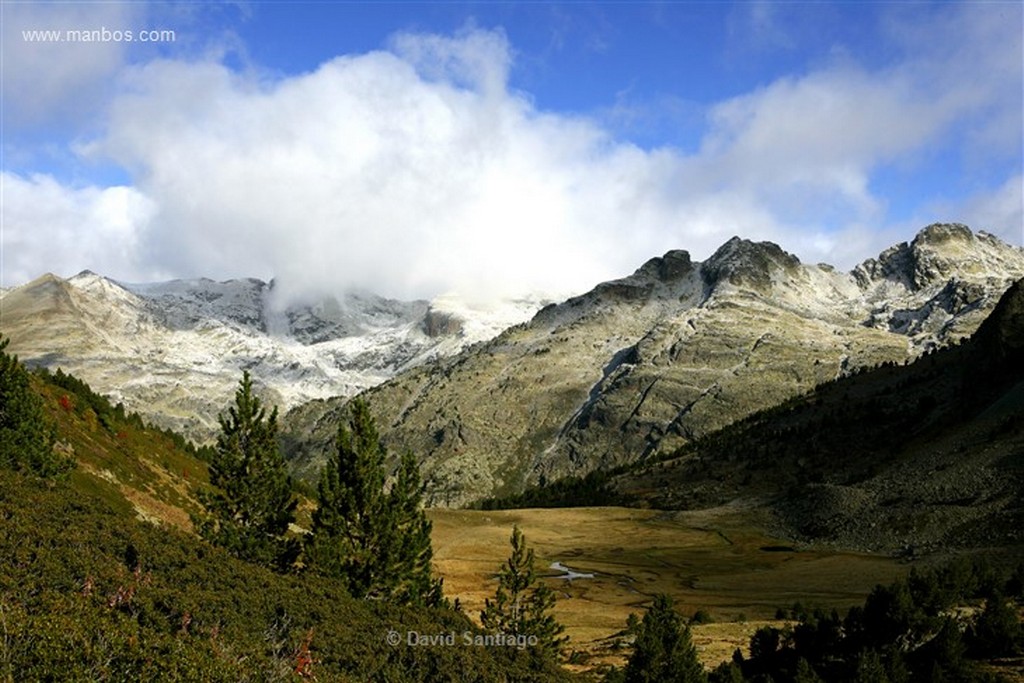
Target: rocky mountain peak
{"x":186,"y":304}
{"x":173,"y":351}
{"x":660,"y":276}
{"x":939,"y":253}
{"x":750,"y":264}
{"x":642,"y":364}
{"x":674,"y":265}
{"x":43,"y":280}
{"x":47,"y":291}
{"x":940,"y":233}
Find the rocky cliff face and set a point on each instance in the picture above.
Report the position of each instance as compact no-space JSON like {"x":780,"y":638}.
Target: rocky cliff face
{"x":174,"y":351}
{"x":644,"y":364}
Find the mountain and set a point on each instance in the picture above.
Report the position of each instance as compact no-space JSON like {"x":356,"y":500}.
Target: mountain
{"x":173,"y":351}
{"x":923,"y":457}
{"x":679,"y":349}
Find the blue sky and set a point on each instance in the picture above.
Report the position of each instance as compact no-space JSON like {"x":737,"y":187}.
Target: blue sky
{"x":497,"y":148}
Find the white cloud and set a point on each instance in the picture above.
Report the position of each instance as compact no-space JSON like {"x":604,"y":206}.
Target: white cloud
{"x":479,"y":60}
{"x":366,"y":171}
{"x":999,"y":211}
{"x":70,"y":229}
{"x":417,"y":170}
{"x":51,"y":80}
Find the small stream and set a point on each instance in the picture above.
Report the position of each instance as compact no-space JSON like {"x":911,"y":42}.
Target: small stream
{"x":569,"y":574}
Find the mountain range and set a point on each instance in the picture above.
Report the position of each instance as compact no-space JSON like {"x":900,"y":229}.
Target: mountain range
{"x":493,"y":401}
{"x":641,"y":366}
{"x":174,"y":351}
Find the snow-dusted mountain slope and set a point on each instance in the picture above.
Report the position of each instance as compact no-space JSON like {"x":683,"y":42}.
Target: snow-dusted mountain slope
{"x":678,"y":349}
{"x":174,"y":351}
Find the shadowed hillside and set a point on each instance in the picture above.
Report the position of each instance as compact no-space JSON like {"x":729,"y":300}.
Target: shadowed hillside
{"x":924,"y":456}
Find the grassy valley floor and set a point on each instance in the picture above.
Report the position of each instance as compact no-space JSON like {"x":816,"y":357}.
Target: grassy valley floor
{"x":714,"y":560}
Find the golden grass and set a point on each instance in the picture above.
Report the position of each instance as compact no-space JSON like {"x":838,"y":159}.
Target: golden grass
{"x":711,"y":559}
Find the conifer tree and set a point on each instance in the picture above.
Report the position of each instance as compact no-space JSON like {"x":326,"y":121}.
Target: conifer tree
{"x":663,"y":651}
{"x":411,"y":551}
{"x":997,"y":632}
{"x":253,"y":503}
{"x":376,"y":542}
{"x":805,"y":673}
{"x":870,"y":668}
{"x":521,"y":605}
{"x":26,"y":435}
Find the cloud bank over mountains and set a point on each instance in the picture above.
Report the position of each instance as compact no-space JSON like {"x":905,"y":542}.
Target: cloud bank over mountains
{"x":418,"y":169}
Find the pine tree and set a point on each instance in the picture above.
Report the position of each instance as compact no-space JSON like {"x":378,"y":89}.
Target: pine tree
{"x":870,"y":668}
{"x":998,"y":631}
{"x":521,"y":605}
{"x":663,"y":650}
{"x":253,"y":503}
{"x":376,"y":542}
{"x":727,"y":672}
{"x":412,"y":551}
{"x":26,"y":435}
{"x":805,"y":673}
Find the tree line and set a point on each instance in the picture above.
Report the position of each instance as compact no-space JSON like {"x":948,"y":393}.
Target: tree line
{"x":908,"y":631}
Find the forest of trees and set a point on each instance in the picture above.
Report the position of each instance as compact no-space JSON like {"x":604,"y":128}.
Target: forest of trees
{"x":907,"y":631}
{"x":371,"y":537}
{"x":26,"y":436}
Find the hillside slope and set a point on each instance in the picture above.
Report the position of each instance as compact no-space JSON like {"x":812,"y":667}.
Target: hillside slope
{"x":139,"y":470}
{"x":677,"y":350}
{"x":924,"y":457}
{"x":88,"y":593}
{"x":100,"y":579}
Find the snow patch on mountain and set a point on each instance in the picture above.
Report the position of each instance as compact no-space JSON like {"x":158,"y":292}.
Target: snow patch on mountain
{"x":173,"y":351}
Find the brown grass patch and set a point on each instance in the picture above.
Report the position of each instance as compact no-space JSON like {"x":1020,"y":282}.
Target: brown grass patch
{"x":711,"y":560}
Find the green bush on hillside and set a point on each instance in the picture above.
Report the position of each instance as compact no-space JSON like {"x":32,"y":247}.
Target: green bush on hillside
{"x":89,"y":594}
{"x":26,"y":436}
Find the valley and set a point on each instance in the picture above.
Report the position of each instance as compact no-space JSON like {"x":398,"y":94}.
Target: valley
{"x":758,"y":434}
{"x":716,"y":560}
{"x":511,"y":342}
